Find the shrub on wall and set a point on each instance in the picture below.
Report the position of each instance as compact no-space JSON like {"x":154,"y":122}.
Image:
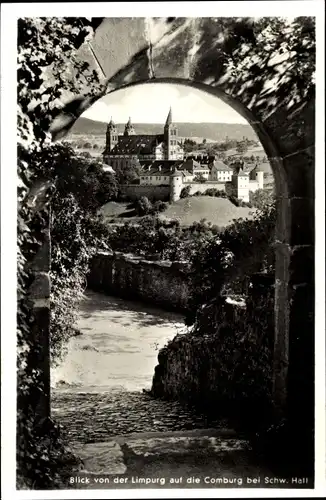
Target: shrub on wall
{"x":200,"y":178}
{"x":223,"y":367}
{"x":185,"y":192}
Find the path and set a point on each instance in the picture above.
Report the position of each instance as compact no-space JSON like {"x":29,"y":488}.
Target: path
{"x":121,"y":433}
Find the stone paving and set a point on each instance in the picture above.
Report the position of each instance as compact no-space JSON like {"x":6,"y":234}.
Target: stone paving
{"x":95,"y":417}
{"x":125,"y":438}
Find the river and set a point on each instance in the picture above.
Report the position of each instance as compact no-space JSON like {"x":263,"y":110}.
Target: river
{"x":118,"y":345}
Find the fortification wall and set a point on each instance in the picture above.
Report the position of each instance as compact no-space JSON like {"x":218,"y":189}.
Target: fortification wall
{"x":162,"y":283}
{"x":203,"y":186}
{"x":136,"y":191}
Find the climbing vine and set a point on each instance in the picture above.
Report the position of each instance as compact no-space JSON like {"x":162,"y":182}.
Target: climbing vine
{"x":48,"y":70}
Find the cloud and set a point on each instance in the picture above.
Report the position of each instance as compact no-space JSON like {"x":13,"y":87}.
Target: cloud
{"x":150,"y":103}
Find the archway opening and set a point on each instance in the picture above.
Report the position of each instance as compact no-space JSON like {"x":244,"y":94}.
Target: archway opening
{"x":221,"y":161}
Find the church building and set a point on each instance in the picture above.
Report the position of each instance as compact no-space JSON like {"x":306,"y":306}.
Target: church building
{"x":124,"y":150}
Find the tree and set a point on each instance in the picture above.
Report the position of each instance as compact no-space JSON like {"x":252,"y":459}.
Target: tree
{"x":189,"y":145}
{"x":261,"y":198}
{"x":241,"y":249}
{"x":242,"y":147}
{"x":129,"y":173}
{"x":185,"y":192}
{"x":48,"y":70}
{"x":144,"y":206}
{"x":200,"y":178}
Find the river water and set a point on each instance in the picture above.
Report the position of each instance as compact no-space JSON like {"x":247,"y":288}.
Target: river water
{"x":118,"y":345}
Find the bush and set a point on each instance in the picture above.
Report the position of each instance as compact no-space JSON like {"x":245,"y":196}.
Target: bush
{"x":143,"y":206}
{"x":198,"y":193}
{"x":213,"y":192}
{"x":199,"y":178}
{"x":185,"y":192}
{"x":235,"y":201}
{"x":159,"y":206}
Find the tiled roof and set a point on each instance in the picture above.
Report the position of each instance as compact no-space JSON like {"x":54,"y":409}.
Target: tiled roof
{"x":221,"y":167}
{"x":159,"y":167}
{"x":262,"y":167}
{"x":168,"y":167}
{"x":137,"y":144}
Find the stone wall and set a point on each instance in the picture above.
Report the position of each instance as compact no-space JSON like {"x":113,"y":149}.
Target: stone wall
{"x":162,"y":283}
{"x":224,"y":366}
{"x":136,"y":191}
{"x":203,"y":186}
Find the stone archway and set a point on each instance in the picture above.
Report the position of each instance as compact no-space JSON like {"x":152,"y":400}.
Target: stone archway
{"x":199,"y":52}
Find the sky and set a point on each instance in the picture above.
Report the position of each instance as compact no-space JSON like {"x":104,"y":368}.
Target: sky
{"x":150,"y":103}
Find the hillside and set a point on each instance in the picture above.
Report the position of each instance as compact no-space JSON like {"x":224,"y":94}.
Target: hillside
{"x":210,"y":131}
{"x":219,"y":211}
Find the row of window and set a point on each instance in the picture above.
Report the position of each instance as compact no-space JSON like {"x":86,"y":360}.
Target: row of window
{"x":173,"y":143}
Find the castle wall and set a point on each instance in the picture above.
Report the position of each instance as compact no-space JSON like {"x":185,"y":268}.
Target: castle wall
{"x":136,"y":191}
{"x":162,"y":283}
{"x":203,"y":186}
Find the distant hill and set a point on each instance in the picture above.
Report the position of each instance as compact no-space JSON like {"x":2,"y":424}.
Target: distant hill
{"x":210,"y":131}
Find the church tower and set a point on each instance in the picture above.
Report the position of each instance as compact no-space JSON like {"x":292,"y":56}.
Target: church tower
{"x":170,"y":138}
{"x":129,"y":129}
{"x":111,"y":136}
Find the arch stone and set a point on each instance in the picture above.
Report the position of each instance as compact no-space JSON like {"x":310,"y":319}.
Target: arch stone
{"x":199,"y":52}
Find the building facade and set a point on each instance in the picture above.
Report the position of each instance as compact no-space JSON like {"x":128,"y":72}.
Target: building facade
{"x":123,"y":150}
{"x":182,"y":173}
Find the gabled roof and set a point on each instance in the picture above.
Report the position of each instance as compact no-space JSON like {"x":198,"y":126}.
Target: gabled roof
{"x":159,"y":167}
{"x":137,"y":144}
{"x":262,"y":167}
{"x":221,"y":167}
{"x":241,"y":172}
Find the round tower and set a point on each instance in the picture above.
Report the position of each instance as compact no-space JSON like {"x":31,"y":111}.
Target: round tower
{"x":257,"y":174}
{"x":176,"y":184}
{"x":129,"y":129}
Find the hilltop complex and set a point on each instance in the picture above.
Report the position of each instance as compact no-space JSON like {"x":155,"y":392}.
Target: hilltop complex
{"x":163,"y":164}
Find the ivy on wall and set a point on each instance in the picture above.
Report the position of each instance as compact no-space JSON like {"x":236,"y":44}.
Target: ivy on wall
{"x":48,"y":69}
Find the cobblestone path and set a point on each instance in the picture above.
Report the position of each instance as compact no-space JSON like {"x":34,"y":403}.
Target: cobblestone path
{"x":91,"y":417}
{"x":97,"y":389}
{"x":122,"y":435}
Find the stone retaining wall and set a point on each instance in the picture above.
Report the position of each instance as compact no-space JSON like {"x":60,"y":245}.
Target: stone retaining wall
{"x":162,"y":283}
{"x":153,"y":193}
{"x":225,"y":364}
